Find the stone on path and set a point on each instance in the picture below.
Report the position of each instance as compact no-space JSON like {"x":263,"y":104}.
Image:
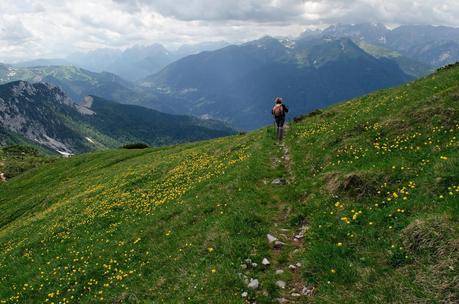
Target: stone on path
{"x":295,"y":294}
{"x":301,"y":233}
{"x":280,"y":284}
{"x":271,"y":238}
{"x":282,"y":300}
{"x":265,"y":262}
{"x":307,"y":291}
{"x":253,"y":284}
{"x":279,"y":182}
{"x":292,"y":267}
{"x":278,"y":244}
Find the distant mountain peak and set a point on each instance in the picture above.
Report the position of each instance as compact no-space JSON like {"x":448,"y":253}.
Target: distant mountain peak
{"x":265,"y":40}
{"x":288,"y":43}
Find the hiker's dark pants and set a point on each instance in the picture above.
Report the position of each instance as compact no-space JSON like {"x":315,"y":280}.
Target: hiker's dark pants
{"x":280,"y":126}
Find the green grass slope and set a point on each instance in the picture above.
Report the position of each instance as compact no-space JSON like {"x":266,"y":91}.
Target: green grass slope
{"x":378,"y":182}
{"x":409,"y":66}
{"x":374,"y":181}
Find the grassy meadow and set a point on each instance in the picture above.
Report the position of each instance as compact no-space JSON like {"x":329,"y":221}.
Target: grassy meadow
{"x":373,"y":182}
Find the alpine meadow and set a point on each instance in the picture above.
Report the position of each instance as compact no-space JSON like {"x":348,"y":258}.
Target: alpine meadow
{"x":229,"y":152}
{"x":364,"y":208}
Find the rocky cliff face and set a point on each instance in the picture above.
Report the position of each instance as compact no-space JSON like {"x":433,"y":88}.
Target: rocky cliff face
{"x":38,"y":111}
{"x":43,"y":114}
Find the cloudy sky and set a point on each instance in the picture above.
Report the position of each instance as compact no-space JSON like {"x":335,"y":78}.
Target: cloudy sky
{"x":55,"y":28}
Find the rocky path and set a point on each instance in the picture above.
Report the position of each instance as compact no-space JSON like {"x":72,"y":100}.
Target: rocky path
{"x":2,"y":175}
{"x":286,"y":258}
{"x":284,"y":265}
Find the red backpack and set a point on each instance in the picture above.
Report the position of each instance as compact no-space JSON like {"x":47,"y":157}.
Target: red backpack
{"x":278,"y":110}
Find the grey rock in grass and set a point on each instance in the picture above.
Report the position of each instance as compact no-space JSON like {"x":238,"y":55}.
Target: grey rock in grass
{"x":298,"y":265}
{"x":253,"y":284}
{"x":280,"y":284}
{"x":292,"y":267}
{"x":295,"y":294}
{"x":254,"y":265}
{"x":265,"y":262}
{"x":245,"y":294}
{"x":279,"y":271}
{"x":307,"y":291}
{"x":282,"y":300}
{"x":301,"y":233}
{"x":271,"y":238}
{"x":279,"y":182}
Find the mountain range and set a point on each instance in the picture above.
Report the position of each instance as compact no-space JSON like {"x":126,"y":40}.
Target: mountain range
{"x":426,"y":46}
{"x":133,"y":64}
{"x":239,"y":83}
{"x":434,"y":46}
{"x":44,"y":115}
{"x":75,"y":81}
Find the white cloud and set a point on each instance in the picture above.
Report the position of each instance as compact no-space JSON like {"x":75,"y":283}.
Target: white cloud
{"x":55,"y":28}
{"x":253,"y":10}
{"x":12,"y":31}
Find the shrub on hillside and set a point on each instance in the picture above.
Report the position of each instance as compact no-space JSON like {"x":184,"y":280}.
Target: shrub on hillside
{"x":135,"y":146}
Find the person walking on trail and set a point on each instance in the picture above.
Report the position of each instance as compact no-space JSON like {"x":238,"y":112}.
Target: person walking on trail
{"x":278,"y":112}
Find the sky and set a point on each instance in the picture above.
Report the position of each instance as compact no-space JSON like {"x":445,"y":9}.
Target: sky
{"x":55,"y":28}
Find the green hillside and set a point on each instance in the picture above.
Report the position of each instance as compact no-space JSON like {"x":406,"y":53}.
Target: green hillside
{"x":371,"y":196}
{"x":409,"y":66}
{"x":74,"y":81}
{"x":42,"y":115}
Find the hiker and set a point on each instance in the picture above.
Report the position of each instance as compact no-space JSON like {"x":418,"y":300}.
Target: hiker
{"x":278,"y":112}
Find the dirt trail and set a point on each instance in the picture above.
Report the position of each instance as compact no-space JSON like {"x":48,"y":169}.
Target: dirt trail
{"x":287,"y":256}
{"x":284,"y":269}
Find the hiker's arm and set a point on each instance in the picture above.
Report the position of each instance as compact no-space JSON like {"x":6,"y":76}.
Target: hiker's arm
{"x":285,"y":109}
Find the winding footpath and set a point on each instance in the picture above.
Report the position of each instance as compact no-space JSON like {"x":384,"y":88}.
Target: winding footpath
{"x":286,"y":242}
{"x":286,"y":257}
